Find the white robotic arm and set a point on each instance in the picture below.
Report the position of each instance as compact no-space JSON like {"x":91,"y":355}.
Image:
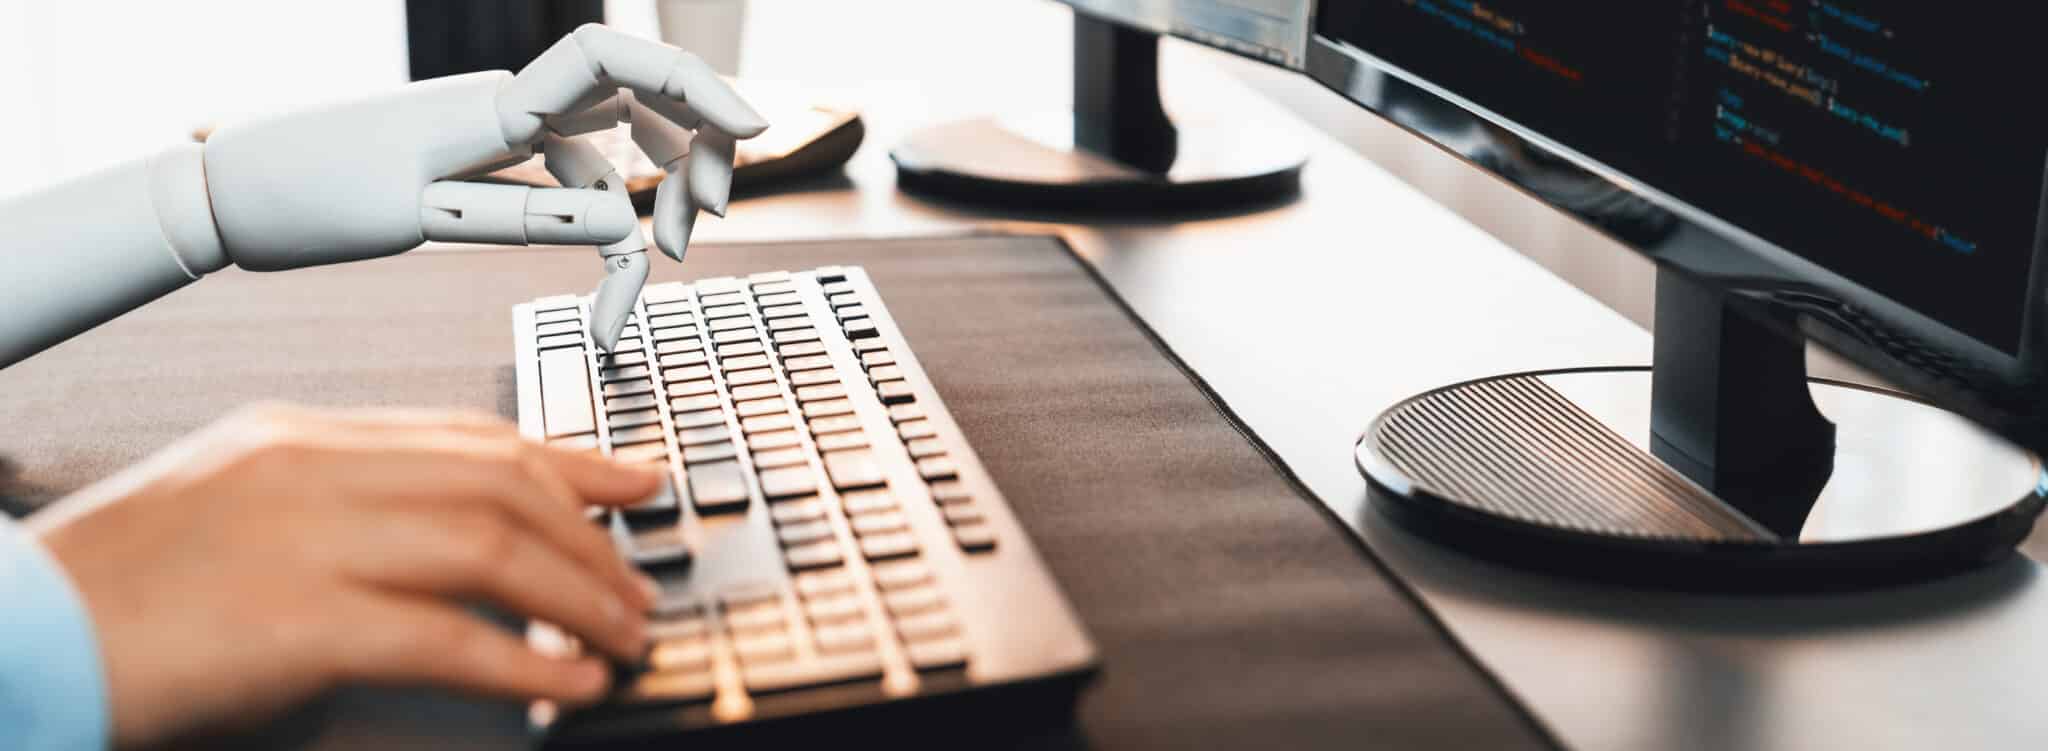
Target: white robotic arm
{"x":378,"y":176}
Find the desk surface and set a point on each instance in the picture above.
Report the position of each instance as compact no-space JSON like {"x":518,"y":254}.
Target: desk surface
{"x":1308,"y":318}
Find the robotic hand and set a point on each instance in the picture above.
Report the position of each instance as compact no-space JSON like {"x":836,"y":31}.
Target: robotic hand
{"x":378,"y":176}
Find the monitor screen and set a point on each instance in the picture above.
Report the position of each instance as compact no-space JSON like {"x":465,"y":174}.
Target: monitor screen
{"x":1272,"y":30}
{"x":1898,"y":143}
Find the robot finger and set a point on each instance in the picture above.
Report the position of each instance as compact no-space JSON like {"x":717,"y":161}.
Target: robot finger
{"x":675,"y":213}
{"x":579,"y":164}
{"x":456,"y":211}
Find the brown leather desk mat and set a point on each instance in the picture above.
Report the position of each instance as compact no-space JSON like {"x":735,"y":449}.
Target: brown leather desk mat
{"x":1229,"y":611}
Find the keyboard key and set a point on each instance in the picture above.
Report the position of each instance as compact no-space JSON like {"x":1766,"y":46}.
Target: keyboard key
{"x":764,"y":423}
{"x":781,"y":311}
{"x":561,"y":342}
{"x":937,"y":468}
{"x":620,"y":359}
{"x":680,"y":655}
{"x":745,"y":361}
{"x":814,"y":555}
{"x":772,"y":440}
{"x":912,"y":601}
{"x":735,"y":308}
{"x":565,"y":393}
{"x":655,"y":451}
{"x":709,"y":452}
{"x":691,"y":344}
{"x":877,"y":357}
{"x":683,"y":359}
{"x":937,"y":654}
{"x":661,"y":506}
{"x":895,"y":575}
{"x":894,"y":392}
{"x":779,"y":298}
{"x":758,"y":407}
{"x":638,"y":434}
{"x":808,"y":362}
{"x":852,"y":469}
{"x":867,"y":501}
{"x":670,"y":688}
{"x":925,"y":448}
{"x":872,"y":344}
{"x":797,"y":511}
{"x":813,"y":377}
{"x":948,"y":492}
{"x":820,"y":392}
{"x":765,"y":617}
{"x":654,"y":556}
{"x":874,"y":524}
{"x":628,"y":388}
{"x":837,"y":288}
{"x":792,"y":336}
{"x":633,"y":419}
{"x":834,"y":609}
{"x":734,"y":336}
{"x":693,"y":389}
{"x":851,"y":311}
{"x":766,"y":647}
{"x":672,"y":333}
{"x":788,"y":481}
{"x":803,"y":533}
{"x":680,"y":628}
{"x":927,"y":626}
{"x":835,"y":424}
{"x":828,"y":408}
{"x":975,"y":538}
{"x":883,"y":547}
{"x":686,"y":373}
{"x":668,"y":319}
{"x":709,"y":434}
{"x":629,"y":403}
{"x":801,"y":349}
{"x":749,"y":347}
{"x":627,"y":344}
{"x":843,"y":300}
{"x":788,"y":324}
{"x":699,"y":419}
{"x":744,"y":377}
{"x":962,"y":513}
{"x":838,"y":441}
{"x":915,"y":429}
{"x":843,"y":638}
{"x":886,"y":373}
{"x":782,"y":457}
{"x":816,"y":584}
{"x":557,"y":315}
{"x":769,"y":288}
{"x":722,"y":298}
{"x":718,"y":486}
{"x":756,"y":391}
{"x":826,"y":670}
{"x":664,"y":308}
{"x":677,"y":606}
{"x":745,"y":595}
{"x":625,"y":373}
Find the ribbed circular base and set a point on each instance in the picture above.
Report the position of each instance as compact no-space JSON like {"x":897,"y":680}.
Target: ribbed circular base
{"x":1552,"y":470}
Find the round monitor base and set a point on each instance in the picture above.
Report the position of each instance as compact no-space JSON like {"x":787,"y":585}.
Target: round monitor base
{"x":1553,"y":471}
{"x":1032,"y":164}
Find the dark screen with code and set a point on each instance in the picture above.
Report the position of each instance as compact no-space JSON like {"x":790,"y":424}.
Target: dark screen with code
{"x":1898,"y":143}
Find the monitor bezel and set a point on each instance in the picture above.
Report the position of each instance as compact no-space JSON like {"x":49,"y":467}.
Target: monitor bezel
{"x":1704,"y":245}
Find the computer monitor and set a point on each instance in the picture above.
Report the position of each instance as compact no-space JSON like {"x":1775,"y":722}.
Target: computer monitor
{"x":1118,"y":151}
{"x":1867,"y":174}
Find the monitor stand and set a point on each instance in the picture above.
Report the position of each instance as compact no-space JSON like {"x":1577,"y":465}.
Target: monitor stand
{"x":1116,"y":152}
{"x":1715,"y":469}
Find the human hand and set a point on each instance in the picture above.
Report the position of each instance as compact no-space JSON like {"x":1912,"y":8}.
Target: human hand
{"x":283,"y":551}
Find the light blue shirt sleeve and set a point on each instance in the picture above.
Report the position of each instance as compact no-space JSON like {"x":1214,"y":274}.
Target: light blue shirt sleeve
{"x":53,"y":691}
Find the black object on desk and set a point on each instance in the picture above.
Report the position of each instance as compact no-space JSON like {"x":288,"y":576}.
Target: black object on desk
{"x":1117,"y":152}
